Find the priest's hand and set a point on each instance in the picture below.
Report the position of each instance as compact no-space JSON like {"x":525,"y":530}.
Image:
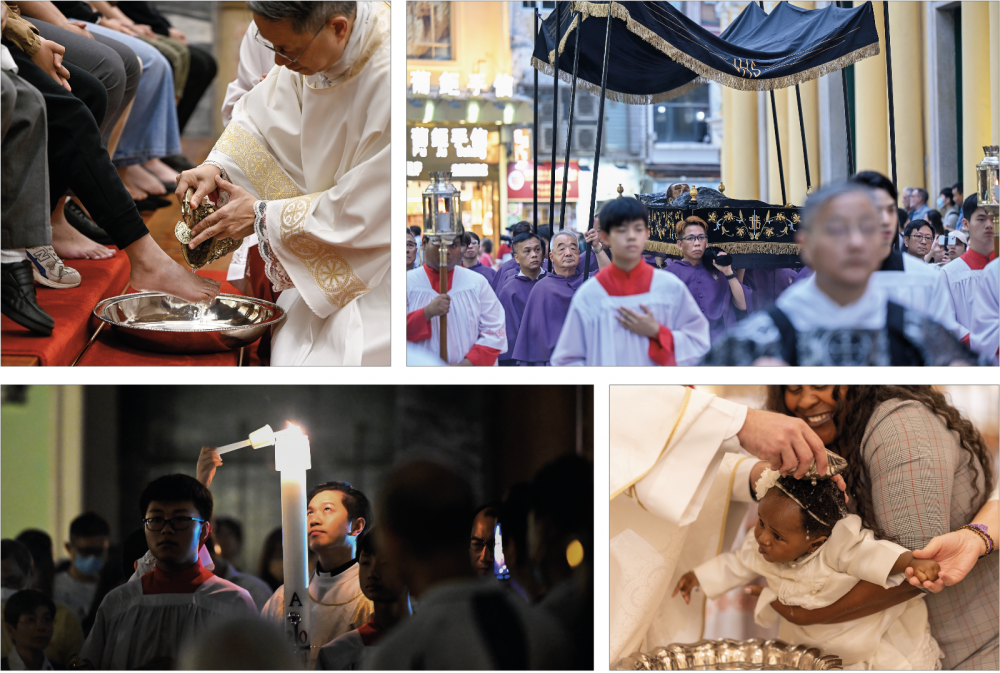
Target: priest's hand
{"x":209,"y":461}
{"x":786,"y":442}
{"x":440,"y":305}
{"x":643,"y":324}
{"x":201,"y":179}
{"x":689,"y":581}
{"x":234,"y":220}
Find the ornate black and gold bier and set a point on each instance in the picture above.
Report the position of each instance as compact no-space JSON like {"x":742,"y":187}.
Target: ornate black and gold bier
{"x":756,"y":234}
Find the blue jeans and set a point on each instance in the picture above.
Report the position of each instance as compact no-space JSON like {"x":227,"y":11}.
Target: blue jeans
{"x":151,"y":130}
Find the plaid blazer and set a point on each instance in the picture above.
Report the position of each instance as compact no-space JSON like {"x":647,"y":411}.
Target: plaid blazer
{"x":922,"y":486}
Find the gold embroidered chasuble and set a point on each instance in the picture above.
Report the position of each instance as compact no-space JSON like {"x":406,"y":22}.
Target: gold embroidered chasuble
{"x":316,"y":149}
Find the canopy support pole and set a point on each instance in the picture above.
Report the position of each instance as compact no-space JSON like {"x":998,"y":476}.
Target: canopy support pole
{"x":847,"y":119}
{"x":892,"y":109}
{"x":534,"y":149}
{"x":600,"y":131}
{"x":569,"y":139}
{"x":802,"y":129}
{"x":777,"y":140}
{"x":555,"y":133}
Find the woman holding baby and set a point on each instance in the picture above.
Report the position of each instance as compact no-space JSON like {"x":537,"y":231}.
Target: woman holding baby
{"x":917,"y":474}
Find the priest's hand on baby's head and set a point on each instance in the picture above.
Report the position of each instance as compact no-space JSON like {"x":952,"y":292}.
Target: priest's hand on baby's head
{"x":688,"y":583}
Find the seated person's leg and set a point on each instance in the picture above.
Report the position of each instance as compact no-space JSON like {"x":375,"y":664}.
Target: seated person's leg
{"x":203,"y":69}
{"x":77,"y":160}
{"x":24,"y":202}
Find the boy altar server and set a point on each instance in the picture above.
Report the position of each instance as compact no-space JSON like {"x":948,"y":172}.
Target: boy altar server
{"x":628,"y":314}
{"x":143,"y":623}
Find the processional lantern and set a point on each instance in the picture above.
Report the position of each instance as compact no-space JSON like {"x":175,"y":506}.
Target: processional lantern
{"x":988,"y":181}
{"x":442,"y":225}
{"x":291,"y":460}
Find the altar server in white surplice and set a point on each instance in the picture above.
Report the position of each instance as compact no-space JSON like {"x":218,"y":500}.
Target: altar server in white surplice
{"x":305,"y":165}
{"x":677,"y":468}
{"x":143,"y":623}
{"x":986,"y":313}
{"x":476,"y":319}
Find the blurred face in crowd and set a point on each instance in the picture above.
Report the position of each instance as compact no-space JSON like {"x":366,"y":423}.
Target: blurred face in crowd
{"x":956,"y":248}
{"x":565,"y":254}
{"x":89,"y":553}
{"x":411,"y":250}
{"x":432,"y":256}
{"x":918,"y":243}
{"x":842,"y":244}
{"x":471,"y":254}
{"x":34,"y":630}
{"x":481,"y":544}
{"x":329,"y":522}
{"x":308,"y":52}
{"x":175,"y":545}
{"x":627,"y":241}
{"x":380,"y":581}
{"x":817,"y":406}
{"x":888,"y":218}
{"x":693,"y":243}
{"x":13,"y":578}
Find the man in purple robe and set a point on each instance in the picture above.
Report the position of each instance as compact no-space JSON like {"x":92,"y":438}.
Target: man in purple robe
{"x":598,"y":257}
{"x":719,"y":292}
{"x":510,"y":267}
{"x":548,"y":302}
{"x":513,"y":295}
{"x":470,"y":257}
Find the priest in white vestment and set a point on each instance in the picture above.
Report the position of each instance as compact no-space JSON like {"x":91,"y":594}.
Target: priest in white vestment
{"x":679,"y":486}
{"x":305,"y":166}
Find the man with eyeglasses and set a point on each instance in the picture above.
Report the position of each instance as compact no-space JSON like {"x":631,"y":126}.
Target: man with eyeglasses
{"x":476,"y":320}
{"x":717,"y":289}
{"x":837,"y":316}
{"x":304,"y":164}
{"x":142,"y":623}
{"x":483,"y":539}
{"x":917,"y":237}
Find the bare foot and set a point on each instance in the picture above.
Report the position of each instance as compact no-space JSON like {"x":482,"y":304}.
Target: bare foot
{"x":134,"y":191}
{"x":145,"y":180}
{"x":70,"y":243}
{"x":154,"y":271}
{"x":161,"y":170}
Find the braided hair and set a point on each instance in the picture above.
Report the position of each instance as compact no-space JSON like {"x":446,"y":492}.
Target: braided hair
{"x":855,"y":406}
{"x":824,"y":500}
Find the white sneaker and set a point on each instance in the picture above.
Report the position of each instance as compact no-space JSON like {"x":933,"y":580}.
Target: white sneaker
{"x":49,"y":270}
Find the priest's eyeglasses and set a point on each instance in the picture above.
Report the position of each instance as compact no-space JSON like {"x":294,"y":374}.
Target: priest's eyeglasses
{"x":177,"y":523}
{"x":695,"y":239}
{"x":477,"y":545}
{"x":265,"y":43}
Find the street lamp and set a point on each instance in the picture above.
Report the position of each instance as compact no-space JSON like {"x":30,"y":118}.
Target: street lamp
{"x":442,"y":225}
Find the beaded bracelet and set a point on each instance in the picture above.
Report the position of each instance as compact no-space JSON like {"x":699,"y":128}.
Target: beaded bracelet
{"x":986,"y":538}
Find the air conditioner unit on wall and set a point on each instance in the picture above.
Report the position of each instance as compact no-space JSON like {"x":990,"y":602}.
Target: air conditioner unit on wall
{"x":584,"y":137}
{"x":586,"y":107}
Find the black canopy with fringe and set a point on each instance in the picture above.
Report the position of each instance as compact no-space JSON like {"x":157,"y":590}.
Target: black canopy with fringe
{"x":658,"y":53}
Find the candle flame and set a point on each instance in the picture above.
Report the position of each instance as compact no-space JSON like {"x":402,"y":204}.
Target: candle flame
{"x":294,"y":426}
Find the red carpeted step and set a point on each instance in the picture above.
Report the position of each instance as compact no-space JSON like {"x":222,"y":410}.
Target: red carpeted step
{"x":108,"y":350}
{"x":71,"y":310}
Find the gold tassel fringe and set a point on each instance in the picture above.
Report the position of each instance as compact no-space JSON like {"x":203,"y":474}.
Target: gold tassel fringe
{"x":617,"y":96}
{"x":738,"y":248}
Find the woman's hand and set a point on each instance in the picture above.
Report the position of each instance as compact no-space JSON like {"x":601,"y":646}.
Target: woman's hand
{"x":49,"y":58}
{"x":234,"y":220}
{"x":201,"y":179}
{"x":208,"y":461}
{"x":118,"y":26}
{"x":955,"y":552}
{"x":687,"y":584}
{"x":175,"y":34}
{"x":80,"y":28}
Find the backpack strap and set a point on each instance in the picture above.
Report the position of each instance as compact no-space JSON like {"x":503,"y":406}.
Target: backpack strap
{"x":789,"y":349}
{"x":902,"y":352}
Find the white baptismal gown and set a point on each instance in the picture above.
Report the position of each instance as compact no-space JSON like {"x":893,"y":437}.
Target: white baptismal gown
{"x":898,"y":638}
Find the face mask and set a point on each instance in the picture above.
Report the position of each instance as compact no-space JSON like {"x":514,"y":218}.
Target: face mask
{"x":940,"y":202}
{"x":89,"y":565}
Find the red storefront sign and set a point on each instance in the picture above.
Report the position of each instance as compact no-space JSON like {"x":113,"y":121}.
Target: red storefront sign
{"x":520,"y":175}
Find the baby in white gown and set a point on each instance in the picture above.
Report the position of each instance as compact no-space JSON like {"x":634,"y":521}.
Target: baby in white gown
{"x":812,"y":552}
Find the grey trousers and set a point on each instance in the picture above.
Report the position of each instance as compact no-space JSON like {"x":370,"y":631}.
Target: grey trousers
{"x":24,"y":169}
{"x":108,"y":60}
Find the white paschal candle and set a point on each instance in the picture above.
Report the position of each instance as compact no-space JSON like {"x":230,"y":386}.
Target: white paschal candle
{"x":291,"y":459}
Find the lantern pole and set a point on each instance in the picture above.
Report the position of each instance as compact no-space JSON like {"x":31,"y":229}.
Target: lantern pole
{"x":443,"y":272}
{"x":600,"y":130}
{"x":569,"y":138}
